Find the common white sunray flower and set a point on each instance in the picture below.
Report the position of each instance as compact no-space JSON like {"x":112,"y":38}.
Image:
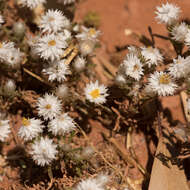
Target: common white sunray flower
{"x":162,"y":83}
{"x":53,"y":21}
{"x":179,"y":32}
{"x":48,"y":106}
{"x":180,"y":67}
{"x":50,"y":47}
{"x":5,"y":47}
{"x":30,"y":128}
{"x":167,"y":13}
{"x":57,"y":71}
{"x":79,"y":64}
{"x":96,"y":93}
{"x":62,"y":91}
{"x":133,"y":50}
{"x":151,"y":55}
{"x":133,"y":66}
{"x":86,"y":47}
{"x":95,"y":184}
{"x":13,"y":58}
{"x":88,"y":34}
{"x":61,"y":125}
{"x":9,"y":87}
{"x":5,"y":129}
{"x":43,"y":151}
{"x":31,"y":3}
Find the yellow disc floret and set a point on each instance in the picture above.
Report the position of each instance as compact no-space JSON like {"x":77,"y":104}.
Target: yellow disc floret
{"x":164,"y":79}
{"x":25,"y":122}
{"x":95,"y":93}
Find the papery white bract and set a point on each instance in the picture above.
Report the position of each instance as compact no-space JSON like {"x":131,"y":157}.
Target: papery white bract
{"x":79,"y":64}
{"x":48,"y":106}
{"x":167,"y":13}
{"x":43,"y":151}
{"x":50,"y":46}
{"x":179,"y":32}
{"x":62,"y":91}
{"x":161,"y":83}
{"x":30,"y":128}
{"x":151,"y":55}
{"x":31,"y":3}
{"x":180,"y":67}
{"x":88,"y":34}
{"x":133,"y":66}
{"x":57,"y":70}
{"x":61,"y":125}
{"x":96,"y":93}
{"x":53,"y":21}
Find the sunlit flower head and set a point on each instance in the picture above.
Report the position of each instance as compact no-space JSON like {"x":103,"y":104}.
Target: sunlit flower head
{"x":48,"y":106}
{"x":167,"y":13}
{"x":96,"y":93}
{"x":30,"y":128}
{"x":162,"y":83}
{"x":43,"y":151}
{"x":151,"y":55}
{"x":61,"y":125}
{"x":133,"y":67}
{"x":53,"y":21}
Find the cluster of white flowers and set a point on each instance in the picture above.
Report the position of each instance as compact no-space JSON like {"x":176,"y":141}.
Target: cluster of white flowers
{"x":31,"y":3}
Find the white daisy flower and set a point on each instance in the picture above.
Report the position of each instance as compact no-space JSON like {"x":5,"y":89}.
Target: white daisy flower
{"x":62,"y":91}
{"x":57,"y":71}
{"x":133,"y":66}
{"x":50,"y":47}
{"x":162,"y":83}
{"x":180,"y":67}
{"x":66,"y":2}
{"x":5,"y":129}
{"x":14,"y":58}
{"x":48,"y":106}
{"x":5,"y":47}
{"x":88,"y":184}
{"x":86,"y":47}
{"x":53,"y":21}
{"x":88,"y":34}
{"x":120,"y":79}
{"x":96,"y":93}
{"x":151,"y":55}
{"x":43,"y":151}
{"x":179,"y":32}
{"x":79,"y":64}
{"x":61,"y":125}
{"x":9,"y":87}
{"x":133,"y":50}
{"x":167,"y":13}
{"x":30,"y":128}
{"x":31,"y":3}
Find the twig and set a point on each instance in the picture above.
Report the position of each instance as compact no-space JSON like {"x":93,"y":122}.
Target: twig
{"x":72,"y":56}
{"x":162,"y":37}
{"x":36,"y":77}
{"x":152,"y":36}
{"x":68,"y":50}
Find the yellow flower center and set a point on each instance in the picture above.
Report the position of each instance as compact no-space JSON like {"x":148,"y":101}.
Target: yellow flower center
{"x":51,"y":19}
{"x":25,"y":122}
{"x":48,"y":106}
{"x":52,"y":43}
{"x":164,"y":79}
{"x":178,"y":62}
{"x":95,"y":93}
{"x":136,"y":68}
{"x":92,"y":31}
{"x":150,"y":49}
